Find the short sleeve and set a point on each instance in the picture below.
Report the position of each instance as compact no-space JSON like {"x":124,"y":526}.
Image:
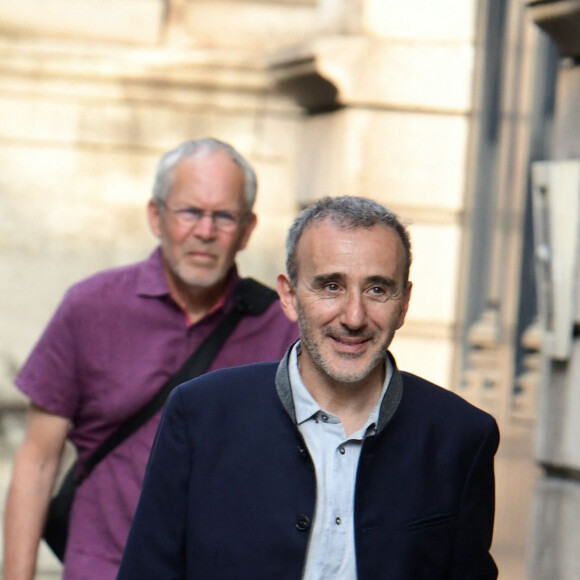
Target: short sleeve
{"x":49,"y":376}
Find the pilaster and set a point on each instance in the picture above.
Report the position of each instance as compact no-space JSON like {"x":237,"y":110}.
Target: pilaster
{"x":555,"y":545}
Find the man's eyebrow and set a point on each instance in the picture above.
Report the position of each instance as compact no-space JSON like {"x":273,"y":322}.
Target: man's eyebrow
{"x":322,"y":279}
{"x":382,"y":280}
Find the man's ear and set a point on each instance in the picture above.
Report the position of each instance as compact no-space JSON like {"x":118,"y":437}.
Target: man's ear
{"x":154,"y":217}
{"x":248,"y":229}
{"x":405,"y":305}
{"x":287,"y":297}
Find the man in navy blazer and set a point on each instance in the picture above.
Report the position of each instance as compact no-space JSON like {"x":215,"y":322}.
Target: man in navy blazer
{"x":331,"y":464}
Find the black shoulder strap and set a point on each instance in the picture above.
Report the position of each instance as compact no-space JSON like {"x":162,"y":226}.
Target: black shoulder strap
{"x":251,"y":298}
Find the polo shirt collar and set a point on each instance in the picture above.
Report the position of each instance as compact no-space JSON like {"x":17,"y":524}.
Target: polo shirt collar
{"x":306,"y":405}
{"x":388,"y":406}
{"x":151,"y":277}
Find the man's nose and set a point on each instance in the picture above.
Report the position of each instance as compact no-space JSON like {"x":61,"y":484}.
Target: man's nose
{"x":205,"y":227}
{"x":354,"y":314}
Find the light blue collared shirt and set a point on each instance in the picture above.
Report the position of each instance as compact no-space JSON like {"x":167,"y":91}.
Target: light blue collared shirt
{"x":331,"y":551}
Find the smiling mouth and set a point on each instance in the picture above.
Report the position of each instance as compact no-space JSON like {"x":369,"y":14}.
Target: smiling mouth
{"x":351,"y":343}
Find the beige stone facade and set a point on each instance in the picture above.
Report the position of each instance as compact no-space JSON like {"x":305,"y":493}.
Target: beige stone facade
{"x":379,"y":98}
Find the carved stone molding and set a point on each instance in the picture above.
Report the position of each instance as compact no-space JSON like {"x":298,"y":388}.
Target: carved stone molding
{"x":561,"y":20}
{"x":355,"y":70}
{"x":297,"y":74}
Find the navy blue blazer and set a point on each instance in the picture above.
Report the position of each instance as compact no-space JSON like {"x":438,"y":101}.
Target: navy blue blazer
{"x":229,"y":491}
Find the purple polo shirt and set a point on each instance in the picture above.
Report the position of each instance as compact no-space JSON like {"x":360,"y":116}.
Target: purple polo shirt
{"x":115,"y":339}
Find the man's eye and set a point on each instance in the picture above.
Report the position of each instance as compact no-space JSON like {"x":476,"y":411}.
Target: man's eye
{"x":224,"y":217}
{"x":191,"y":212}
{"x":331,"y":287}
{"x":378,"y":293}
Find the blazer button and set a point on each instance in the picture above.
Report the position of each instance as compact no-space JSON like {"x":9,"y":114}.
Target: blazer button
{"x":301,"y":450}
{"x":302,"y":523}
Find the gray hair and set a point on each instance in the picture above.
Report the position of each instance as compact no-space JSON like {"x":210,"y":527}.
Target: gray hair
{"x":195,"y":149}
{"x":347,"y":212}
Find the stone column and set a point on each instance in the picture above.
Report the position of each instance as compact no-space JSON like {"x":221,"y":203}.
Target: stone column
{"x":555,"y":541}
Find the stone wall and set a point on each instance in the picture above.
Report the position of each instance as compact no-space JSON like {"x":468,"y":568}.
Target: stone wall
{"x":82,"y":129}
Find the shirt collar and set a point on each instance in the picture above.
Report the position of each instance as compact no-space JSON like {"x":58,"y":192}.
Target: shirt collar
{"x":151,"y":278}
{"x":151,"y":281}
{"x":305,"y":404}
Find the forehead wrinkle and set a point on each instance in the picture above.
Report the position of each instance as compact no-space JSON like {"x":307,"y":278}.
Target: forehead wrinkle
{"x":327,"y":248}
{"x":213,"y":181}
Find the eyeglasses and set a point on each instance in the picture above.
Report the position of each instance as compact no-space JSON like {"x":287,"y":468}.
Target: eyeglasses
{"x":188,"y":217}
